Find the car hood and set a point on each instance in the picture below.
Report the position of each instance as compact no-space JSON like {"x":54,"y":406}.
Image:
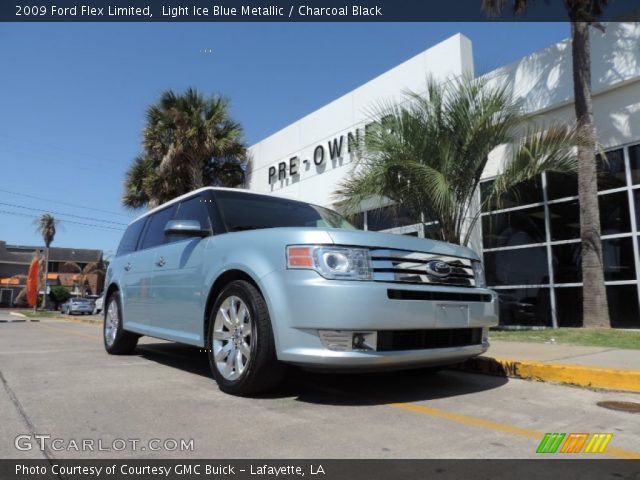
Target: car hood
{"x":398,"y":242}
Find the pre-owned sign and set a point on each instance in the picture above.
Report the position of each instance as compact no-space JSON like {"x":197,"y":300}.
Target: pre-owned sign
{"x":333,"y":149}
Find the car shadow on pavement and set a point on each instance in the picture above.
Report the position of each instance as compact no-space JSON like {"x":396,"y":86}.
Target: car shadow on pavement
{"x":343,"y":389}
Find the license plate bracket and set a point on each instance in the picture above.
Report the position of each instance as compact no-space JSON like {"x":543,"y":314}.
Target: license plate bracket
{"x":450,"y":315}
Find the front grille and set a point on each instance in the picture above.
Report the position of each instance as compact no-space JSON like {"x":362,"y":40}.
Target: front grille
{"x":394,"y":340}
{"x":393,"y":294}
{"x":413,"y":267}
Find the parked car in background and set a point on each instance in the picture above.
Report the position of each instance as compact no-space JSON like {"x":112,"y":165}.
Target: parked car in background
{"x":259,"y":281}
{"x":78,"y":305}
{"x":98,"y":304}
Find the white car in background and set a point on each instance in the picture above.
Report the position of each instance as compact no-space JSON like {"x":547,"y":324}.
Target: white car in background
{"x":98,"y":304}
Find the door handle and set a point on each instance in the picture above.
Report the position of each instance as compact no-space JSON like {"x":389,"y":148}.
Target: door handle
{"x":127,"y":267}
{"x":160,"y":262}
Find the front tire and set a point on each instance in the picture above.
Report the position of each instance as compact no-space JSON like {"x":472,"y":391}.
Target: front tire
{"x":117,"y":341}
{"x":240,"y":344}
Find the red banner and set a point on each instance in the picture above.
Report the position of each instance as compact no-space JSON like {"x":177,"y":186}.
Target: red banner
{"x":33,"y":281}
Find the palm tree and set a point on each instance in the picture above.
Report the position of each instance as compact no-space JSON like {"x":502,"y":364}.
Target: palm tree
{"x":83,"y":272}
{"x":583,"y":14}
{"x":428,"y":153}
{"x":46,"y":226}
{"x":189,"y":142}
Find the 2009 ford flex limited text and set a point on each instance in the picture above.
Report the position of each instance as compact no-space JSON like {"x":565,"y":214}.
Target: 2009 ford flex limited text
{"x":260,"y":281}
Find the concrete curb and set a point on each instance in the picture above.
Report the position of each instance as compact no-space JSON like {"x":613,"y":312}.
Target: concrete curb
{"x":578,"y":375}
{"x":79,"y":319}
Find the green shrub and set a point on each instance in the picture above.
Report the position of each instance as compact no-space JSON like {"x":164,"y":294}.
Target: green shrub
{"x":59,"y":294}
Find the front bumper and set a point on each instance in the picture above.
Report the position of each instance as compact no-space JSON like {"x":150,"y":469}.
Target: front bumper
{"x":302,"y":302}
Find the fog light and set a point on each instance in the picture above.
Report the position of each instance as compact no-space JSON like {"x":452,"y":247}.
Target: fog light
{"x":358,"y":340}
{"x":364,"y":341}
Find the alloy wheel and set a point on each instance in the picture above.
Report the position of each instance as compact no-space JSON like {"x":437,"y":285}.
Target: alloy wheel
{"x":111,"y":323}
{"x":232,"y":337}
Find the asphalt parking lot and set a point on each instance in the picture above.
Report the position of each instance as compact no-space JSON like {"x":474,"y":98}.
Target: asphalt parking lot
{"x":58,"y":381}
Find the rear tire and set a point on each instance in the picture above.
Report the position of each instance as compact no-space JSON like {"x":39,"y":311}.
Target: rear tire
{"x":240,"y":343}
{"x":117,"y":341}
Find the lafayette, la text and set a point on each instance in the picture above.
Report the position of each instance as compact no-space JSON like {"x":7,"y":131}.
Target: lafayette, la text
{"x":165,"y":470}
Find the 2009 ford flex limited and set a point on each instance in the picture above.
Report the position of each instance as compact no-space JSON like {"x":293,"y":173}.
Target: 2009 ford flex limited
{"x":260,"y":282}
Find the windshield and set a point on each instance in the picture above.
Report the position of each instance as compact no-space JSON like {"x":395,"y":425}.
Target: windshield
{"x":241,"y":211}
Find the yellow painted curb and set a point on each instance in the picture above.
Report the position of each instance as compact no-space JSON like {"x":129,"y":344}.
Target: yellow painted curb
{"x":579,"y":375}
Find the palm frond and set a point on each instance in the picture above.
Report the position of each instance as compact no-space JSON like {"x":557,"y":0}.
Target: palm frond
{"x":428,"y":152}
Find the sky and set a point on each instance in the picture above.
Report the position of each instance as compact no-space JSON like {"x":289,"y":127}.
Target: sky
{"x":73,"y":97}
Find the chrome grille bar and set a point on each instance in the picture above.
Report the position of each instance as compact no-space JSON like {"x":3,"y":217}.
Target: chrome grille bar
{"x":411,"y":267}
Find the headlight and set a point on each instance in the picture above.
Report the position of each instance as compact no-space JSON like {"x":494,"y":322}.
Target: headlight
{"x":478,"y":274}
{"x":338,"y":263}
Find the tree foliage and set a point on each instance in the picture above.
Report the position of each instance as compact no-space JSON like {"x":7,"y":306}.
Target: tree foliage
{"x":428,"y":152}
{"x":189,"y":142}
{"x":59,"y":294}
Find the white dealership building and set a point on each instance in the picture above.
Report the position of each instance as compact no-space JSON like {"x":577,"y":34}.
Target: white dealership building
{"x":532,"y":251}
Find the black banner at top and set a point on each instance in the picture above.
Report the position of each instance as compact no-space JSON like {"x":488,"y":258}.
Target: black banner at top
{"x":293,"y":11}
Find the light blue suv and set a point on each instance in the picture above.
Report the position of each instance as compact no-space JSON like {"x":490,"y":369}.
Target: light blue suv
{"x":260,"y":282}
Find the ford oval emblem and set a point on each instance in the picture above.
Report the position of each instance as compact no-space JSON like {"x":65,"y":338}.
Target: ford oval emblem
{"x":438,"y":268}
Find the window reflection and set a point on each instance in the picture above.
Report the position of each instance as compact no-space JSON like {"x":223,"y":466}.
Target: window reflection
{"x":634,"y":163}
{"x":611,"y":172}
{"x":389,"y":217}
{"x":623,"y":306}
{"x":525,"y":306}
{"x":564,"y":217}
{"x":617,"y":258}
{"x":517,"y":227}
{"x":521,"y":266}
{"x":522,"y":194}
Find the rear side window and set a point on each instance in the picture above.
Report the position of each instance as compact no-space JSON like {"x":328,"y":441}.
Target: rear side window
{"x":130,"y":238}
{"x":195,"y":209}
{"x":154,"y":234}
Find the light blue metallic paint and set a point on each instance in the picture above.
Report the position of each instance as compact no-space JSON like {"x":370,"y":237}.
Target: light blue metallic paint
{"x":172,"y":304}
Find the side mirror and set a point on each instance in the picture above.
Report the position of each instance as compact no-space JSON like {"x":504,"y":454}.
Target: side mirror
{"x":186,"y":228}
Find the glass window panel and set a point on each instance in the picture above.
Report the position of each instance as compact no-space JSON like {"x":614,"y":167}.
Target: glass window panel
{"x":154,"y":234}
{"x":388,"y":217}
{"x":357,"y":220}
{"x":567,"y":266}
{"x":611,"y":170}
{"x":517,"y":227}
{"x":634,"y":162}
{"x":636,"y":196}
{"x":522,"y":194}
{"x":614,"y":216}
{"x":521,"y":266}
{"x":564,"y":219}
{"x":130,"y":237}
{"x":433,"y":231}
{"x":618,"y":261}
{"x":525,"y":306}
{"x":614,"y":213}
{"x":569,"y":306}
{"x":561,"y":185}
{"x":194,"y":209}
{"x":623,"y":306}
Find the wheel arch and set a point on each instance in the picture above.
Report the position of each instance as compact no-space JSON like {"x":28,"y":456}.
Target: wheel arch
{"x":224,"y":279}
{"x":113,"y":287}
